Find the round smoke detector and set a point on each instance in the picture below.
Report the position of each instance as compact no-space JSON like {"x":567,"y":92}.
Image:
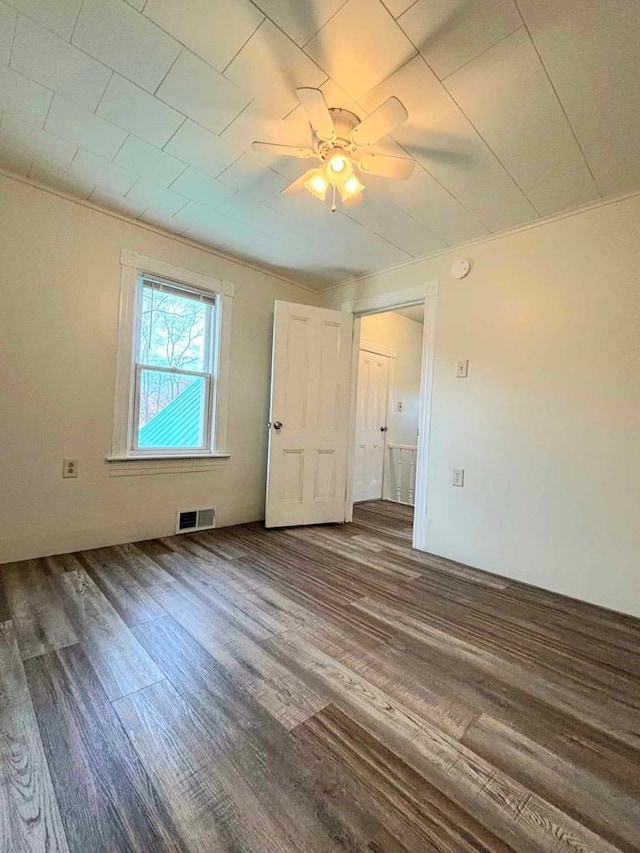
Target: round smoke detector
{"x":460,"y":268}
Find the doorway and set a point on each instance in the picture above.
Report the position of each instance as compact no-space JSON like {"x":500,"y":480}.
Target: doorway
{"x":387,"y":413}
{"x":312,"y":414}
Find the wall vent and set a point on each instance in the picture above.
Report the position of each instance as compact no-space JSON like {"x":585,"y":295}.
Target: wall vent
{"x":195,"y":519}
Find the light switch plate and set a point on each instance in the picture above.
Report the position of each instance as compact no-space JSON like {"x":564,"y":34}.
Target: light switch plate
{"x":462,"y":370}
{"x":458,"y":477}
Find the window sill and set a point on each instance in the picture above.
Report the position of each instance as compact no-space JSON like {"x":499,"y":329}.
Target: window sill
{"x":127,"y":466}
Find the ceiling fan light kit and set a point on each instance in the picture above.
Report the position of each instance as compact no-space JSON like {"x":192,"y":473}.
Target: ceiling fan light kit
{"x":340,"y":143}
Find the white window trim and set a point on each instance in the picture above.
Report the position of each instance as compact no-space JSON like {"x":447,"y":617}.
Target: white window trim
{"x":133,"y":266}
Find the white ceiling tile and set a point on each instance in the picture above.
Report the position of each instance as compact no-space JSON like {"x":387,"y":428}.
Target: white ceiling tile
{"x":389,"y":221}
{"x":498,"y":215}
{"x":201,"y":93}
{"x":360,"y":46}
{"x":75,"y":124}
{"x":143,"y":159}
{"x":448,"y":33}
{"x":553,"y":25}
{"x":505,"y":92}
{"x":590,"y":49}
{"x":561,"y":193}
{"x":397,"y":7}
{"x":420,"y":91}
{"x":137,"y":4}
{"x":535,"y":165}
{"x":56,"y":15}
{"x":249,"y":174}
{"x":123,"y":39}
{"x":135,"y":110}
{"x":200,"y":148}
{"x":615,"y":162}
{"x":256,"y":215}
{"x":58,"y":65}
{"x":37,"y":143}
{"x":164,"y":220}
{"x":426,"y":200}
{"x":154,"y":196}
{"x":22,"y":97}
{"x":119,"y":203}
{"x":8,"y":18}
{"x":497,"y":191}
{"x":271,"y":67}
{"x":452,"y":151}
{"x":101,"y":173}
{"x":197,"y":186}
{"x":299,"y":20}
{"x":14,"y":159}
{"x":254,"y":124}
{"x":66,"y":182}
{"x":214,"y":31}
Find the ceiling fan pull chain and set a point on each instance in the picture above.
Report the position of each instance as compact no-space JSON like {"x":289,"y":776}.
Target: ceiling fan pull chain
{"x":334,"y":206}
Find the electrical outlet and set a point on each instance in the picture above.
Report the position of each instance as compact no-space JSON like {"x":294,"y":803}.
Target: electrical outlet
{"x":462,"y":370}
{"x":399,"y":406}
{"x":69,"y":468}
{"x":458,"y":477}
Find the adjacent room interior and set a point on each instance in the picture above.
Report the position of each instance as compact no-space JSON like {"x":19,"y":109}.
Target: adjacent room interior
{"x":319,"y":426}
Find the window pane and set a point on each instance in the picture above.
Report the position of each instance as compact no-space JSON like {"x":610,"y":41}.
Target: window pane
{"x":172,"y":410}
{"x":173,"y":331}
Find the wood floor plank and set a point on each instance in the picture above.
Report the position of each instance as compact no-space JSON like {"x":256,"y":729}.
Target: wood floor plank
{"x":606,"y":809}
{"x":121,"y":588}
{"x":578,"y":699}
{"x":390,"y":719}
{"x":29,"y":814}
{"x":229,"y":715}
{"x":107,"y":801}
{"x":511,"y":810}
{"x":134,"y":558}
{"x":121,"y":664}
{"x":413,"y":807}
{"x":211,"y":620}
{"x":36,"y":608}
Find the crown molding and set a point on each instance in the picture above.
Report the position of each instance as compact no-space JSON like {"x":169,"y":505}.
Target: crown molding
{"x":163,"y":232}
{"x":488,"y":238}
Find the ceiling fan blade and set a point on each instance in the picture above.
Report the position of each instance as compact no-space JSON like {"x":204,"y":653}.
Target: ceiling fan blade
{"x":298,"y":184}
{"x":386,"y":166}
{"x":316,"y":108}
{"x":282,"y":150}
{"x":386,"y":118}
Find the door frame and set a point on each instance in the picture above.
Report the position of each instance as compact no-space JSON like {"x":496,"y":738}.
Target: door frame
{"x":428,"y":294}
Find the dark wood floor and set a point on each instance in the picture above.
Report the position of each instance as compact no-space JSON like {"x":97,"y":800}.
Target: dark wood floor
{"x":312,"y":689}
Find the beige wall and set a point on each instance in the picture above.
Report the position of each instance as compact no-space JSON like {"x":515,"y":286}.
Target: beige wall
{"x":394,"y":332}
{"x":59,"y":290}
{"x":547,"y":425}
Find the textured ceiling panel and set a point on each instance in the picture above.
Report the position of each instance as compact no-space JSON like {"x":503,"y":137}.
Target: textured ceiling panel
{"x":517,"y":110}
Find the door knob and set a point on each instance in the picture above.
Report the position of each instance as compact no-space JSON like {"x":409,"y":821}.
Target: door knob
{"x":384,"y":429}
{"x":277,"y":425}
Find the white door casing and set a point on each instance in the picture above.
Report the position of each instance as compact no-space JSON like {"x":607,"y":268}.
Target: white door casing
{"x":310,"y":397}
{"x":371,"y":423}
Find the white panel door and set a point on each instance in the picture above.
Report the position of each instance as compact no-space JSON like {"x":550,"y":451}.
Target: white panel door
{"x":371,"y":425}
{"x":309,"y":418}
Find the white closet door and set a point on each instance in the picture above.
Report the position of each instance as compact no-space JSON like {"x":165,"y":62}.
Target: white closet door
{"x":371,"y":425}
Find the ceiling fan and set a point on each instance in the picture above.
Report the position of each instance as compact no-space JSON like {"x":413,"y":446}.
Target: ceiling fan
{"x":340,"y":144}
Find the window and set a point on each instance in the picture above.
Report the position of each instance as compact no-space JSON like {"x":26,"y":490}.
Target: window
{"x":172,"y":363}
